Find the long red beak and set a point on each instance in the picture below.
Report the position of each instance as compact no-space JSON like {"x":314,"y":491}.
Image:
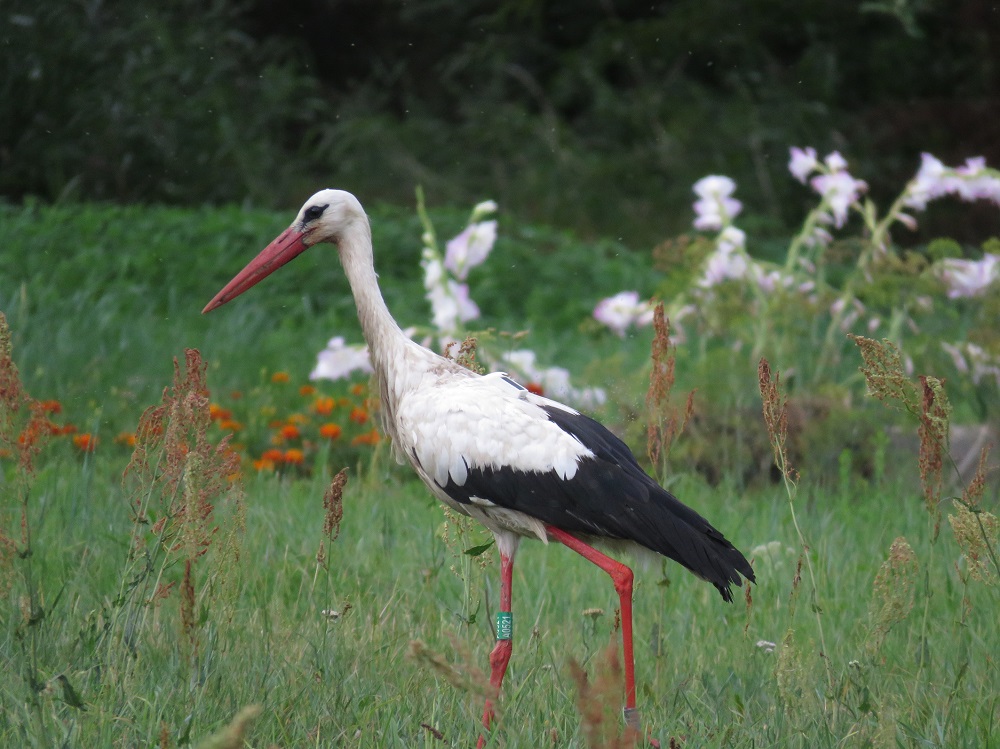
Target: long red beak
{"x":287,"y":246}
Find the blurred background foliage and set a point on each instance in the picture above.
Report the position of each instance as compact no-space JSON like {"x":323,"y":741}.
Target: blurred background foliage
{"x":595,"y":115}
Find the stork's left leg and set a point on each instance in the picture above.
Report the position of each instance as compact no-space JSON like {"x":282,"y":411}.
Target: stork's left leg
{"x":622,"y":578}
{"x":500,"y":656}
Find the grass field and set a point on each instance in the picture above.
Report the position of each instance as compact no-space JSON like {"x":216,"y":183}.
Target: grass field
{"x":125,"y":634}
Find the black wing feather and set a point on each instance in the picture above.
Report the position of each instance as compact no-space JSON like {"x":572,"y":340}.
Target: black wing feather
{"x":611,"y":496}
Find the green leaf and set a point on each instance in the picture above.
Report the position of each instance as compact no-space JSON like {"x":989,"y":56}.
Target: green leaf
{"x":475,"y":551}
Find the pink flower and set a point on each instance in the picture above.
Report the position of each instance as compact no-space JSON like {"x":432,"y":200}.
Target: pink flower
{"x":802,"y":163}
{"x":970,"y":182}
{"x":969,"y":278}
{"x":470,"y":248}
{"x":835,"y":162}
{"x":839,"y":191}
{"x":930,"y":183}
{"x":715,"y":208}
{"x":451,"y":303}
{"x":728,"y":261}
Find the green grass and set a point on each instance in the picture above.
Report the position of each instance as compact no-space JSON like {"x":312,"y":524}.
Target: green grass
{"x":350,"y":681}
{"x":101,"y":299}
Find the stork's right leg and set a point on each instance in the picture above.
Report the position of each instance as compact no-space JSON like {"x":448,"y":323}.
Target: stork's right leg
{"x":622,"y":578}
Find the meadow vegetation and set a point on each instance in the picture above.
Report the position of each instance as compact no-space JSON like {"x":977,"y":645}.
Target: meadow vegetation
{"x":165,"y":589}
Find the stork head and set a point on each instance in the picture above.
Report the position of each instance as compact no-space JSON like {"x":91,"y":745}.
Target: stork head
{"x":325,"y":217}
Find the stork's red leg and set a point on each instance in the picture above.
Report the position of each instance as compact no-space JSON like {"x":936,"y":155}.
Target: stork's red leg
{"x":622,"y":578}
{"x":500,"y":656}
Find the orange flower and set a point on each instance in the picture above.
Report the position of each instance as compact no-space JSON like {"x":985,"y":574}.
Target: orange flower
{"x":263,"y":464}
{"x":324,"y":406}
{"x":50,"y":407}
{"x":294,"y":456}
{"x":67,"y":429}
{"x":125,"y":438}
{"x":359,"y":415}
{"x":358,"y":389}
{"x":536,"y":388}
{"x":273,"y":456}
{"x":218,"y":413}
{"x":236,"y":395}
{"x":298,"y":419}
{"x":280,"y":377}
{"x":368,"y":438}
{"x":290,"y":432}
{"x":330,"y":431}
{"x":307,"y":390}
{"x":230,"y":425}
{"x":86,"y":442}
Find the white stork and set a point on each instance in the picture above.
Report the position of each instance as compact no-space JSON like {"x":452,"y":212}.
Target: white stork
{"x":521,"y":464}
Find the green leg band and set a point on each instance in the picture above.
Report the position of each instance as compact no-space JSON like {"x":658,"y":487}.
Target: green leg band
{"x":505,"y":625}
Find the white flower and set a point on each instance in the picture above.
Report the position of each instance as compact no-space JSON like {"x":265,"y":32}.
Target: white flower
{"x":839,"y":190}
{"x":450,"y":303}
{"x":484,"y":209}
{"x":338,"y":360}
{"x":766,"y":645}
{"x":929,"y":184}
{"x":715,"y":208}
{"x":772,"y":280}
{"x":969,"y":278}
{"x":731,"y":239}
{"x":957,"y":358}
{"x":727,"y":262}
{"x":975,"y":361}
{"x":467,"y":309}
{"x":802,"y":163}
{"x":470,"y":248}
{"x":970,"y":182}
{"x":433,"y":269}
{"x":835,"y":162}
{"x":623,"y":309}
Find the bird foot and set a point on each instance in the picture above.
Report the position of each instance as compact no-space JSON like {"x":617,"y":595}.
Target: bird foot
{"x":634,"y":721}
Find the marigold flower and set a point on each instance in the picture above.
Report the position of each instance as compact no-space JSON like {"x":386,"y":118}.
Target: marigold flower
{"x":125,"y":438}
{"x":273,"y":455}
{"x":263,"y":464}
{"x":324,"y":405}
{"x":230,"y":425}
{"x":357,"y":389}
{"x":290,"y":432}
{"x":298,"y":419}
{"x":294,"y":456}
{"x":218,"y":413}
{"x":67,"y":429}
{"x":358,"y":415}
{"x":86,"y":442}
{"x":368,"y":438}
{"x":330,"y":431}
{"x":50,"y":406}
{"x":280,"y":377}
{"x":307,"y":390}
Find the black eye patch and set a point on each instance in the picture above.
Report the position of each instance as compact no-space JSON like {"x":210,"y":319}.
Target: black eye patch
{"x":313,"y":212}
